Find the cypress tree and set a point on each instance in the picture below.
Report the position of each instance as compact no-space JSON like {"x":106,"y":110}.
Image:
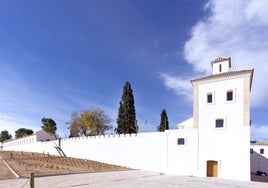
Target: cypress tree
{"x":120,"y":120}
{"x":163,"y":122}
{"x":126,"y":120}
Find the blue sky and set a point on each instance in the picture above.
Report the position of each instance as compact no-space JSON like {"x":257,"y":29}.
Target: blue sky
{"x":57,"y":57}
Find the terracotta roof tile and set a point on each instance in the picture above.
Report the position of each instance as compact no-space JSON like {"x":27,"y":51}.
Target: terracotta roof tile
{"x":219,"y":59}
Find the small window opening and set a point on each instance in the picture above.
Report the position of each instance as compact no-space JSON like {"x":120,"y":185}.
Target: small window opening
{"x":181,"y":141}
{"x":261,"y":151}
{"x":220,"y":68}
{"x":209,"y":98}
{"x":219,"y":123}
{"x":251,"y":150}
{"x":229,"y":95}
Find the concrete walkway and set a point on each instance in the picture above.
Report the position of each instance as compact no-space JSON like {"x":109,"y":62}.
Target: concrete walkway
{"x":128,"y":179}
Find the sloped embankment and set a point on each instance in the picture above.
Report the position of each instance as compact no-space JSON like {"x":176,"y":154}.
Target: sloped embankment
{"x":43,"y":164}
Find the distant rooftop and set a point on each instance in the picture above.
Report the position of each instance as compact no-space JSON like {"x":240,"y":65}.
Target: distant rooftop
{"x":264,"y":142}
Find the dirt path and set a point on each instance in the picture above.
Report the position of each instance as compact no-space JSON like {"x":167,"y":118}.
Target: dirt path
{"x":42,"y":164}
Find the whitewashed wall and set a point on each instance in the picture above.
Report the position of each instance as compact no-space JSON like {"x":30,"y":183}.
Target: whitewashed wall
{"x":155,"y":151}
{"x":229,"y":146}
{"x":29,"y":144}
{"x":182,"y":159}
{"x":141,"y":151}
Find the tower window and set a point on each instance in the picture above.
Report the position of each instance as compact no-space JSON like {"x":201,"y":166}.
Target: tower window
{"x":220,"y":68}
{"x":181,"y":141}
{"x":251,"y":150}
{"x":219,"y":123}
{"x":209,"y":98}
{"x":229,"y":96}
{"x":261,"y":151}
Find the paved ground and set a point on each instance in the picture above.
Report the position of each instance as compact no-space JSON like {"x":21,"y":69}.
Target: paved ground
{"x":128,"y":179}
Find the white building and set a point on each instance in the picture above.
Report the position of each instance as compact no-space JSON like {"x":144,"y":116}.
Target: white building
{"x":259,"y":156}
{"x":25,"y":143}
{"x":221,"y":109}
{"x":214,"y":142}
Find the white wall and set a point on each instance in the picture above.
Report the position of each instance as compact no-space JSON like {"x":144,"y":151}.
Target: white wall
{"x":224,"y":66}
{"x":183,"y":159}
{"x":156,"y":151}
{"x":32,"y":143}
{"x":229,"y":146}
{"x":142,"y":151}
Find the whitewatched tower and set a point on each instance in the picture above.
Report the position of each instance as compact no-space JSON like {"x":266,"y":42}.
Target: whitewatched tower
{"x":221,"y":108}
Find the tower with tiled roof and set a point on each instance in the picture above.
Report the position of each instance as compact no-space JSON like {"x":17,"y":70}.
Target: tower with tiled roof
{"x":221,"y":113}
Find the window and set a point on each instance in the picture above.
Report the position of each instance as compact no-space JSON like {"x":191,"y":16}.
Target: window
{"x":181,"y":141}
{"x":261,"y":151}
{"x":229,"y":96}
{"x":219,"y":123}
{"x":220,"y":68}
{"x":251,"y":150}
{"x":209,"y":98}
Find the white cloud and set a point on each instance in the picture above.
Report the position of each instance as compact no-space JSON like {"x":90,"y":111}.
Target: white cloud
{"x":259,"y":132}
{"x":257,"y":10}
{"x":181,"y":87}
{"x":236,"y":29}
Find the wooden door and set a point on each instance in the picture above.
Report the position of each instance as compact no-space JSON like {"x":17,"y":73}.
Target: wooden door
{"x":212,"y":169}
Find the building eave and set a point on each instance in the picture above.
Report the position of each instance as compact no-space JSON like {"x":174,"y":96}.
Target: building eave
{"x":224,"y":75}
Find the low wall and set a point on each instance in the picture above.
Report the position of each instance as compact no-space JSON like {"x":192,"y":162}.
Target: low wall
{"x":155,"y":151}
{"x":144,"y":150}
